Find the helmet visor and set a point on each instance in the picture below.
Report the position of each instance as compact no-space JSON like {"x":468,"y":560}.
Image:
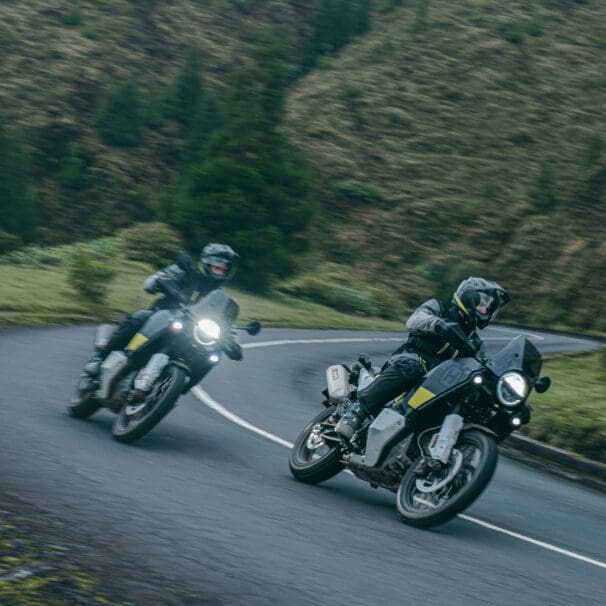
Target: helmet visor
{"x":217,"y":267}
{"x":486,"y":309}
{"x":486,"y":304}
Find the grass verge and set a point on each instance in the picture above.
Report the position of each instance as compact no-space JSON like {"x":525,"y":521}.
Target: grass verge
{"x":572,"y":414}
{"x":41,"y":296}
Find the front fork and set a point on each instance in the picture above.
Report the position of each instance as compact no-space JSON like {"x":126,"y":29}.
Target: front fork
{"x":442,"y":443}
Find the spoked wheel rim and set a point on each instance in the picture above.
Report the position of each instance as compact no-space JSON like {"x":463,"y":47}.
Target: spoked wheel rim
{"x":132,"y":415}
{"x":435,"y":490}
{"x":435,"y":497}
{"x":314,"y":458}
{"x":314,"y":448}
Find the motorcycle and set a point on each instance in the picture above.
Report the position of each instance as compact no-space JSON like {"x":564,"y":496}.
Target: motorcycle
{"x":173,"y":351}
{"x":435,"y":446}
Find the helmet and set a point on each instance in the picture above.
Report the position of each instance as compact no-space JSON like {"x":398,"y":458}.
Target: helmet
{"x":478,"y":301}
{"x":218,"y":262}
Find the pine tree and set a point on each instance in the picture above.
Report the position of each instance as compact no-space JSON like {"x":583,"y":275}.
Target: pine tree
{"x":119,"y":118}
{"x":251,"y":191}
{"x":18,"y":209}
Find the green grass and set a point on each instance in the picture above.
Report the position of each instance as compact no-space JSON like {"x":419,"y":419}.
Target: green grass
{"x":41,"y":296}
{"x":572,"y":414}
{"x":479,"y":129}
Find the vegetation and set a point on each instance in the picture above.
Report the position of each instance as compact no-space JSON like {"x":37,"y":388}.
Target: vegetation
{"x":441,"y":139}
{"x":571,"y":414}
{"x":436,"y":139}
{"x":481,"y":125}
{"x":155,"y":244}
{"x":90,"y":275}
{"x":252,"y":188}
{"x":36,"y":574}
{"x":26,"y":273}
{"x":335,"y":286}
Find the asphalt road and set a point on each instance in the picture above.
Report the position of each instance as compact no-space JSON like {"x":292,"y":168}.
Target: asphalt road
{"x":208,"y":503}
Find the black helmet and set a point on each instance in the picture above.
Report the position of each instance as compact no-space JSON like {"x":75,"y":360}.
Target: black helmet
{"x":218,"y":262}
{"x":478,"y":300}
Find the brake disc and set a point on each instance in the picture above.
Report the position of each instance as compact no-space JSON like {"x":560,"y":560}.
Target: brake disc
{"x":454,"y":465}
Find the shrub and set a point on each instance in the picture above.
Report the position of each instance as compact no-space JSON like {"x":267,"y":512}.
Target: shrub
{"x":153,"y":243}
{"x":73,"y":16}
{"x":90,"y":274}
{"x":9,"y":241}
{"x":37,"y":256}
{"x":513,"y":32}
{"x":334,"y":286}
{"x":358,"y":191}
{"x":31,"y":256}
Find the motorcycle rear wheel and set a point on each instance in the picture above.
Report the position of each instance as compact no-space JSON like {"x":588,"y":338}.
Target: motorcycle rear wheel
{"x":424,"y":508}
{"x":309,"y":466}
{"x":84,"y":403}
{"x":168,"y":387}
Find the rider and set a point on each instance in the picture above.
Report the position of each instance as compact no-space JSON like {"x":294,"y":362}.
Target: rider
{"x":432,"y":338}
{"x":177,"y":283}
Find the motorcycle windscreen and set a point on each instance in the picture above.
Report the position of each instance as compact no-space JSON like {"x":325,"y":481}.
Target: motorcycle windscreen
{"x":218,"y":306}
{"x":443,"y":379}
{"x":521,"y":355}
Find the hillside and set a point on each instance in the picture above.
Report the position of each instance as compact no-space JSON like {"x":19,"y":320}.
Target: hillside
{"x":469,"y":137}
{"x":449,"y":139}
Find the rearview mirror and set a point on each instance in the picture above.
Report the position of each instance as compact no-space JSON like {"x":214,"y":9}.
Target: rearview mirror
{"x":542,"y":384}
{"x":253,"y":328}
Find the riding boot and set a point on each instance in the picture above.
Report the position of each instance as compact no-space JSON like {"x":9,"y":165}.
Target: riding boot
{"x":352,"y":420}
{"x":93,"y":367}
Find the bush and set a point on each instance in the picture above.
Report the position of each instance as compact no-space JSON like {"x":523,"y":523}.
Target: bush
{"x":9,"y":241}
{"x":32,"y":256}
{"x":73,"y":16}
{"x":153,"y":243}
{"x":90,"y":274}
{"x":513,"y":32}
{"x":334,"y":286}
{"x":358,"y":191}
{"x":37,"y":256}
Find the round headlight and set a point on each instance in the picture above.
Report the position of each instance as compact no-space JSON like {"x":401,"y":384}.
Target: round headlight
{"x":512,"y":389}
{"x":207,"y":332}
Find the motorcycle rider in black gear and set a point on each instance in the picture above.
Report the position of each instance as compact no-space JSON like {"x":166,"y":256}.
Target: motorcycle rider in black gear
{"x":180,"y":282}
{"x":432,"y":338}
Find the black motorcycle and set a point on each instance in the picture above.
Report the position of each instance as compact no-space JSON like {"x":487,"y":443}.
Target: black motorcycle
{"x":436,"y":446}
{"x":172,"y":352}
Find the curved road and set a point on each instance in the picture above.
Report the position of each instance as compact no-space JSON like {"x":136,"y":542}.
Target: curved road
{"x":206,"y":500}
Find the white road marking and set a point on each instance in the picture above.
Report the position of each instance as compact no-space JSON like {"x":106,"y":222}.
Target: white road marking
{"x":521,"y":537}
{"x":214,"y":405}
{"x":518,"y":332}
{"x":204,"y":397}
{"x":308,"y":341}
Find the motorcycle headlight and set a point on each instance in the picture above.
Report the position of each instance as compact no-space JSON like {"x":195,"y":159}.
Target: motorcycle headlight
{"x":512,"y":389}
{"x":207,"y":332}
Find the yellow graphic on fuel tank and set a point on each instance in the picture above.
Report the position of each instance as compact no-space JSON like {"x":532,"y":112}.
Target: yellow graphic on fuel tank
{"x":420,"y":396}
{"x":137,"y":341}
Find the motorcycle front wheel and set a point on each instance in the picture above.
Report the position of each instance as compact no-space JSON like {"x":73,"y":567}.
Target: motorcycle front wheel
{"x":137,"y":419}
{"x":313,"y":460}
{"x":435,"y":497}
